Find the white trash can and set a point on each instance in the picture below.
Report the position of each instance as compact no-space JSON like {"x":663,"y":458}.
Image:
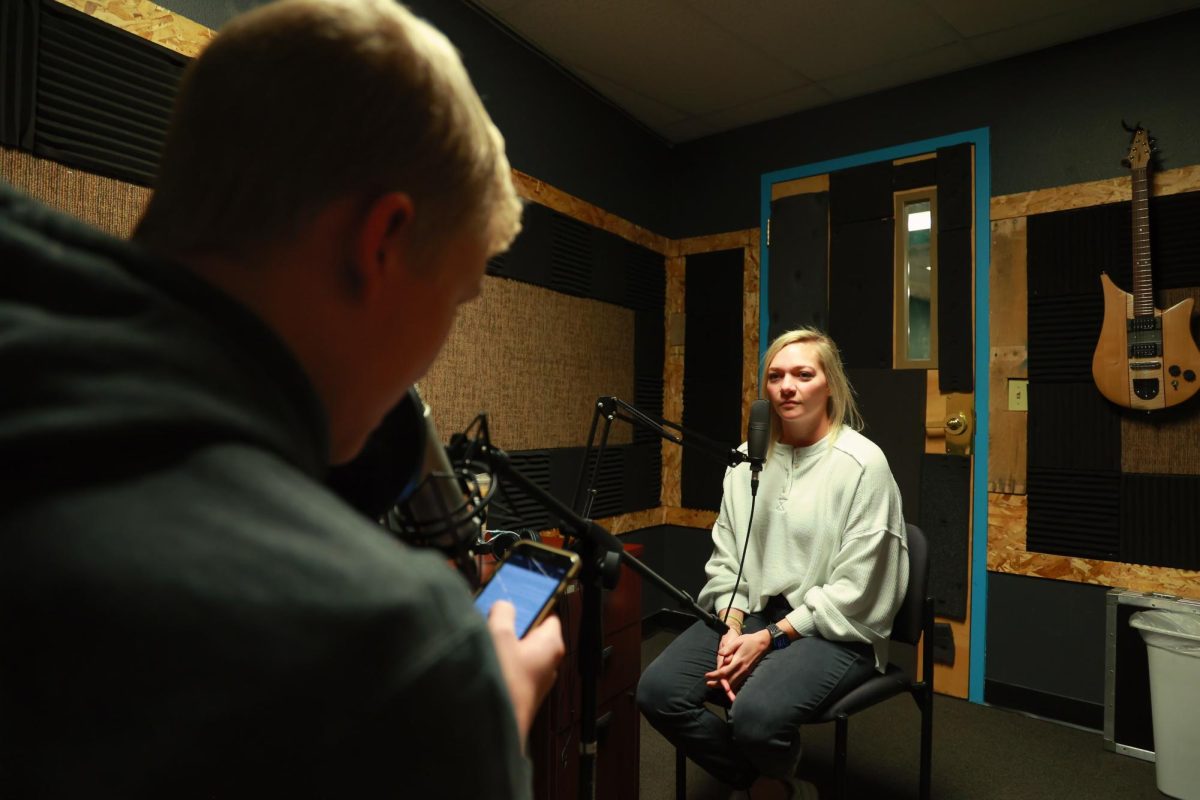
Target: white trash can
{"x":1173,"y":650}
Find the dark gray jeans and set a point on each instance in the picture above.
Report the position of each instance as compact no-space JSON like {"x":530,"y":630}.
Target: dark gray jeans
{"x":761,"y":736}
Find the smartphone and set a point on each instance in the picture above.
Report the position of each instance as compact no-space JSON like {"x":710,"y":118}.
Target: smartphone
{"x":531,"y":577}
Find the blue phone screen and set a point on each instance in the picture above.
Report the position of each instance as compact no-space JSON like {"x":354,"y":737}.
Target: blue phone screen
{"x":525,"y":582}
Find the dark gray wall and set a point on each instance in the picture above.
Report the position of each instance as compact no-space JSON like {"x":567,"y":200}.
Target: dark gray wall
{"x":1047,"y":636}
{"x":1055,"y":119}
{"x":557,"y":130}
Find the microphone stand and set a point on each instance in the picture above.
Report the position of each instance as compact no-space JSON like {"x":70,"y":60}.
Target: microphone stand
{"x":612,"y":408}
{"x":601,"y":555}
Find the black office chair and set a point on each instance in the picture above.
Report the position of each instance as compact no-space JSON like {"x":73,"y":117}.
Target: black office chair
{"x":914,"y":618}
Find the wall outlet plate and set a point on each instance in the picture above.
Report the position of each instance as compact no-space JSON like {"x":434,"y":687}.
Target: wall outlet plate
{"x":1018,"y":394}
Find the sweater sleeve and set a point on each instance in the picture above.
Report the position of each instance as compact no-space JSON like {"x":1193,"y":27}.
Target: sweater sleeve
{"x":722,"y":567}
{"x":869,"y":574}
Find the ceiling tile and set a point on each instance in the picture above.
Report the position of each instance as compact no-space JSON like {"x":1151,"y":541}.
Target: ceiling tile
{"x":789,"y":102}
{"x":646,"y":109}
{"x":673,"y":56}
{"x":1048,"y":31}
{"x":976,"y":17}
{"x":824,"y":38}
{"x":688,"y":129}
{"x":949,"y":58}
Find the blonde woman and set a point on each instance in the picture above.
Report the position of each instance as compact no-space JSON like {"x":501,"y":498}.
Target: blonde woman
{"x":823,"y":569}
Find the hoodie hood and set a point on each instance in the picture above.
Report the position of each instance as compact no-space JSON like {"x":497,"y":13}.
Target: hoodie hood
{"x":116,"y":363}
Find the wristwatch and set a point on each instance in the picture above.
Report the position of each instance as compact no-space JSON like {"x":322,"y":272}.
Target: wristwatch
{"x":779,"y":639}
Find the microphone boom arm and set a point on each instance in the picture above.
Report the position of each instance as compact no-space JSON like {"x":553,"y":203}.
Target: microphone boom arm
{"x":586,"y":529}
{"x":611,"y":408}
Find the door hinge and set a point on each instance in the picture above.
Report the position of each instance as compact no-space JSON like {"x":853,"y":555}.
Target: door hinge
{"x":768,"y":231}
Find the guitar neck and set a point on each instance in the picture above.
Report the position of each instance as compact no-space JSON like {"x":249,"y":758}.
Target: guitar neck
{"x":1143,"y":288}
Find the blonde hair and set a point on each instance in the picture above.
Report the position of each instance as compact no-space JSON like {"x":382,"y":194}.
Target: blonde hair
{"x":842,"y":408}
{"x":302,"y":102}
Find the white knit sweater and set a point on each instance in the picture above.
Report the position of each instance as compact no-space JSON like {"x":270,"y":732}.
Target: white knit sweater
{"x":828,"y":535}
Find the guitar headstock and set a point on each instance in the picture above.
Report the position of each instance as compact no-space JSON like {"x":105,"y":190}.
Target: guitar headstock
{"x":1141,"y":149}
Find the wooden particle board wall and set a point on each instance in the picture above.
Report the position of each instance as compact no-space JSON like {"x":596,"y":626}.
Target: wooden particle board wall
{"x":1150,"y":445}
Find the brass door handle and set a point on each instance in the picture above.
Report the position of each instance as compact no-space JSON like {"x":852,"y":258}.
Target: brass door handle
{"x":960,"y":430}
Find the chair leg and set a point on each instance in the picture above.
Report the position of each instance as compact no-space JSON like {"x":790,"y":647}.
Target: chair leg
{"x":839,"y":756}
{"x":926,"y":743}
{"x":680,"y":774}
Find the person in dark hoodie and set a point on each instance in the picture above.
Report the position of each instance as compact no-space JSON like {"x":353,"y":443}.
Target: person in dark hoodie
{"x":185,"y":609}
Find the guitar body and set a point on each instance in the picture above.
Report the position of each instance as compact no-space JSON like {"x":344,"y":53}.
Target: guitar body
{"x":1141,"y":361}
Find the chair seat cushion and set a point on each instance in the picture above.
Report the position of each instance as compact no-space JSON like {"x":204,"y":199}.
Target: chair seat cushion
{"x":875,"y":689}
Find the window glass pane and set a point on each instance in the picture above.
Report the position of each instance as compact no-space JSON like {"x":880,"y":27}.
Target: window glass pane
{"x":918,"y":266}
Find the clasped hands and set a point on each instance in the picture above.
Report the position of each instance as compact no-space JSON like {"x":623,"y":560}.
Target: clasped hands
{"x":737,"y":655}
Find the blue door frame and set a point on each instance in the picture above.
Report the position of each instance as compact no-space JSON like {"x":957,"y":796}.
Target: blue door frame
{"x":983,"y":195}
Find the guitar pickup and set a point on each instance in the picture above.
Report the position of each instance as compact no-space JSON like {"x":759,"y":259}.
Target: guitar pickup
{"x":1144,"y":350}
{"x":1145,"y":365}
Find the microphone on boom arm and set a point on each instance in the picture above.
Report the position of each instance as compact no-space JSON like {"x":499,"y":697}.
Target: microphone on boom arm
{"x":758,"y":435}
{"x":442,"y":506}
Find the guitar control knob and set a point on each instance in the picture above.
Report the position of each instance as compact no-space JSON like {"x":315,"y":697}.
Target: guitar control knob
{"x":1189,"y":375}
{"x":1174,"y":370}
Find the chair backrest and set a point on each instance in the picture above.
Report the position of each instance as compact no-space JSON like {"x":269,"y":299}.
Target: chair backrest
{"x":910,"y":618}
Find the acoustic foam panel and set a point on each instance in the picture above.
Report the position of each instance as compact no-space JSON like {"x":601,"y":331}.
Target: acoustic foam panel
{"x":955,"y":329}
{"x":712,"y":369}
{"x":104,"y":95}
{"x":798,"y":278}
{"x":915,"y":174}
{"x":1074,"y":513}
{"x":955,"y":190}
{"x":1072,"y":427}
{"x":1067,"y":250}
{"x":860,"y":292}
{"x":1158,"y":520}
{"x":892,"y":403}
{"x":1063,"y":329}
{"x":861,"y":193}
{"x":945,"y":519}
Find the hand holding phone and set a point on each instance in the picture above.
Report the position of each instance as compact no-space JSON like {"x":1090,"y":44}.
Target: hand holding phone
{"x":531,"y":577}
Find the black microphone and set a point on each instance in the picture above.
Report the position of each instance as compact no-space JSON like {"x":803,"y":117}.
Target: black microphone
{"x":758,"y":435}
{"x":443,"y":510}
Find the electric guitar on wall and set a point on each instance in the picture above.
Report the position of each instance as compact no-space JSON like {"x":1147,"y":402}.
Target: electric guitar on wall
{"x":1146,"y":358}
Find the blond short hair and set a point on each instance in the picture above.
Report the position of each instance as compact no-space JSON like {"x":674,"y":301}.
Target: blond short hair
{"x":302,"y":102}
{"x":842,"y":407}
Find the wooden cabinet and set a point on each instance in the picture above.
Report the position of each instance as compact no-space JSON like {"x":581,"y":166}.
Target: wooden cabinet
{"x":554,"y":740}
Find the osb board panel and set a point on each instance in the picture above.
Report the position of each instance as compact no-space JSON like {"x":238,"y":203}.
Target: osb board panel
{"x":537,"y":375}
{"x":633,"y":521}
{"x":1008,"y":290}
{"x":1007,"y":430}
{"x":810,"y":185}
{"x":149,"y":21}
{"x":1009,"y":327}
{"x":111,"y":205}
{"x":750,"y":344}
{"x":533,"y":189}
{"x":672,"y":454}
{"x":716,"y":242}
{"x":1079,"y":195}
{"x":690,"y":518}
{"x":1007,"y":515}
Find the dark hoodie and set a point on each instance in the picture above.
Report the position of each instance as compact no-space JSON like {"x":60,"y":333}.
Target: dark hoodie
{"x":185,"y":610}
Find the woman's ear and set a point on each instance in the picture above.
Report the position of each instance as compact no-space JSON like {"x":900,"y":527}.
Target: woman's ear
{"x":381,"y":241}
